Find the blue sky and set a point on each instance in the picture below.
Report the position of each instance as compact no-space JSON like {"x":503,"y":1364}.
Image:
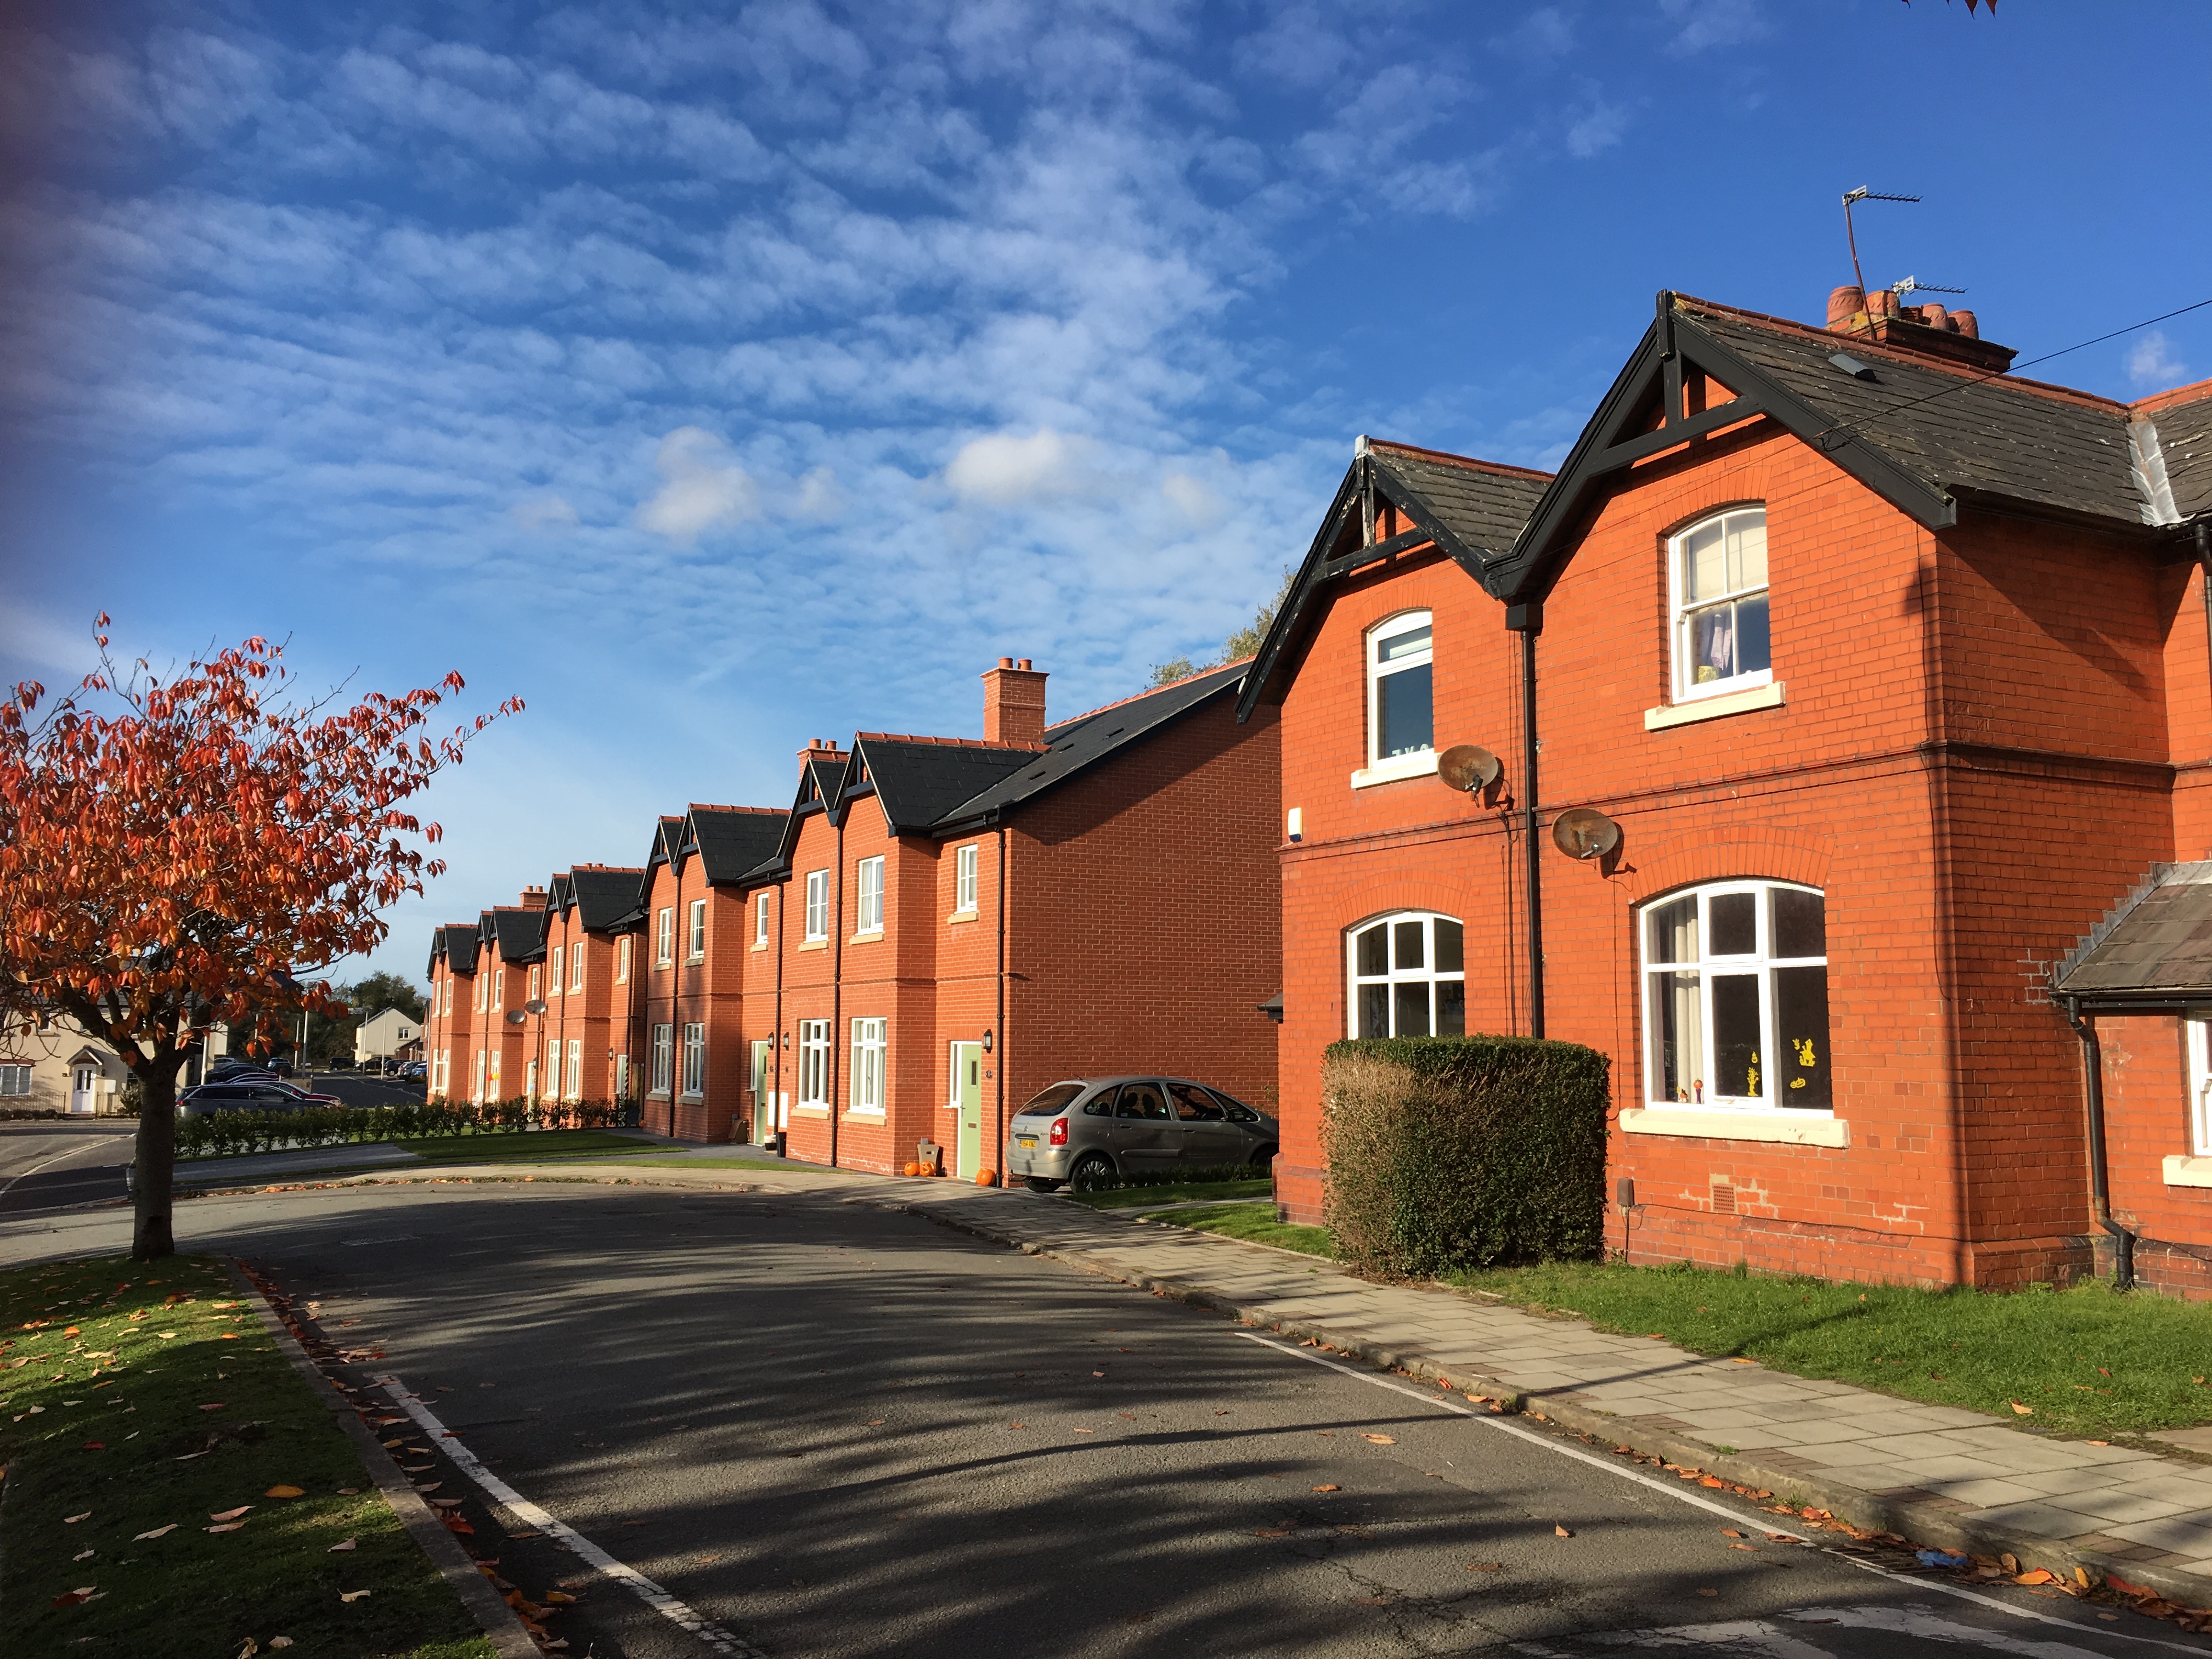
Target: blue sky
{"x":717,"y":377}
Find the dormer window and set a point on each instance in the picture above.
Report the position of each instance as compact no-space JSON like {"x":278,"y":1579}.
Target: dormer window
{"x":1401,"y":724}
{"x":1718,"y":576}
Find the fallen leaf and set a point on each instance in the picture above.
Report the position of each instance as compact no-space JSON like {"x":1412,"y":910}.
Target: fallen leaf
{"x":1380,"y":1439}
{"x":560,"y":1598}
{"x":2037,"y":1576}
{"x":227,"y":1336}
{"x":1715,"y":1592}
{"x":351,"y":1596}
{"x":227,"y":1526}
{"x":285,"y":1491}
{"x":1561,"y":1532}
{"x":158,"y":1532}
{"x":2020,"y":1410}
{"x":1328,"y":1489}
{"x":335,"y":1548}
{"x":71,"y":1331}
{"x":231,"y":1514}
{"x":1098,"y":1373}
{"x":96,"y":1445}
{"x":83,"y":1594}
{"x":525,"y":1534}
{"x":217,"y":1406}
{"x":84,"y":1555}
{"x":280,"y":1641}
{"x":1743,"y":1546}
{"x":1730,"y":1532}
{"x":71,"y":1520}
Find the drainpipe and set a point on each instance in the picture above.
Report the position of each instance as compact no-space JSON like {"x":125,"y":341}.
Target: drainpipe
{"x":2101,"y":1198}
{"x":1527,"y":620}
{"x":997,"y":1151}
{"x":679,"y":941}
{"x":836,"y":989}
{"x":775,"y":1113}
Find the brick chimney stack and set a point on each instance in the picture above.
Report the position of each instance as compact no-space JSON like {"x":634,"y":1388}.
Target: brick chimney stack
{"x":1929,"y":329}
{"x":533,"y":898}
{"x":1013,"y":703}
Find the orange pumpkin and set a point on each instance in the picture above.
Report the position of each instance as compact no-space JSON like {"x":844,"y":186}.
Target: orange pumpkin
{"x":987,"y":1177}
{"x":912,"y":1167}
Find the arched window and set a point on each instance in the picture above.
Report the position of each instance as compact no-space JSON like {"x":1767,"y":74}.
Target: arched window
{"x":1408,"y":976}
{"x":1736,"y":998}
{"x":1718,"y":574}
{"x":1400,"y":687}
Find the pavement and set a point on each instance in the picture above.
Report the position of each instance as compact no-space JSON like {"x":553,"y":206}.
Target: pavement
{"x":769,"y":1413}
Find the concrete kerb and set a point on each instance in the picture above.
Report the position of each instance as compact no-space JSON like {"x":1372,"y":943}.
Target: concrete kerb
{"x":497,"y":1621}
{"x":1926,"y":1520}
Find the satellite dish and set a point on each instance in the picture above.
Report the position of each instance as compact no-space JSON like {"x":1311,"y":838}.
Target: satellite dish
{"x":1464,"y":766}
{"x":535,"y":1006}
{"x":1583,"y":832}
{"x":514,"y":1016}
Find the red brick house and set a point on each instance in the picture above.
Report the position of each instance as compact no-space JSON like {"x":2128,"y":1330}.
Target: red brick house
{"x":583,"y":1039}
{"x":448,"y":1023}
{"x":1866,"y":680}
{"x":498,"y":1059}
{"x":936,"y":928}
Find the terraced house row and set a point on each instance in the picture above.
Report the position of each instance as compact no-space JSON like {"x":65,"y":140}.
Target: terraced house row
{"x":1828,"y":743}
{"x":933,"y":929}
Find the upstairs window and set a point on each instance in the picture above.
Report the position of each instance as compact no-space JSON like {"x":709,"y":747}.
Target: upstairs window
{"x":1400,"y":687}
{"x":560,"y":956}
{"x":533,"y":984}
{"x":964,"y":883}
{"x":818,"y":905}
{"x":1719,"y":580}
{"x":870,"y":914}
{"x":760,"y":918}
{"x":1736,"y":998}
{"x":622,"y":961}
{"x":2200,"y":1088}
{"x":664,"y":937}
{"x":1409,"y":977}
{"x":577,"y":966}
{"x":697,"y":931}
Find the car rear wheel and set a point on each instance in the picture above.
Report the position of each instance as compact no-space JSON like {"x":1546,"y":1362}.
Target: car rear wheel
{"x":1264,"y":1160}
{"x":1092,"y":1171}
{"x":1040,"y":1184}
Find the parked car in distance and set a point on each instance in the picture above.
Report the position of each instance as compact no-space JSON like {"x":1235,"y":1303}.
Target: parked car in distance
{"x":266,"y":1095}
{"x":1131,"y":1125}
{"x":414,"y":1070}
{"x":278,"y":1067}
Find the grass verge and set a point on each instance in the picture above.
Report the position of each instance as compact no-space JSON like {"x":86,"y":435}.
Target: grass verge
{"x":1136,"y":1197}
{"x":1255,"y":1223}
{"x":2085,"y":1361}
{"x":138,"y":1404}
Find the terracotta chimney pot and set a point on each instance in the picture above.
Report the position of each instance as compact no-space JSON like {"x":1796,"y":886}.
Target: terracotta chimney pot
{"x":1882,"y":303}
{"x":1966,"y":324}
{"x":1013,"y":703}
{"x":1843,"y":304}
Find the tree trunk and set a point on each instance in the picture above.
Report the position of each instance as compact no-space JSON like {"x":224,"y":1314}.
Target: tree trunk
{"x":154,"y":1180}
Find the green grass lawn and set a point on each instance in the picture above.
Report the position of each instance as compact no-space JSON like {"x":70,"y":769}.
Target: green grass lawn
{"x":1254,"y":1222}
{"x":1137,"y":1198}
{"x":537,"y":1146}
{"x":137,"y":1401}
{"x":2085,"y":1361}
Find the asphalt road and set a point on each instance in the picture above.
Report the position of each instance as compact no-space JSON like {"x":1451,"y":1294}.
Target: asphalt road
{"x":831,"y":1429}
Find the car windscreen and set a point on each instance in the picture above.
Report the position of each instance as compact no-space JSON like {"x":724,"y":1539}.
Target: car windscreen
{"x":1051,"y":1101}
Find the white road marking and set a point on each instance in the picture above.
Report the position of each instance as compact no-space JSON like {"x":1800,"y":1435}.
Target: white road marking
{"x":1747,"y":1637}
{"x":643,"y":1588}
{"x":71,"y":1152}
{"x":1505,"y":1425}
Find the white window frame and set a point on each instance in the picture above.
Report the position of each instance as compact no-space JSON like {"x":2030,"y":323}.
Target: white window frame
{"x":533,"y":982}
{"x":760,"y":917}
{"x":814,"y":1062}
{"x":573,"y":1077}
{"x":477,"y":1097}
{"x":870,"y":1047}
{"x":695,"y":933}
{"x":576,"y":967}
{"x":558,"y":963}
{"x":817,"y":905}
{"x":552,"y":1075}
{"x":2200,"y":1086}
{"x":621,"y":960}
{"x":449,"y":993}
{"x":1687,"y":687}
{"x":1392,"y":975}
{"x":664,"y":1059}
{"x":967,"y":865}
{"x":1380,"y":768}
{"x":14,"y":1082}
{"x":665,"y":937}
{"x":869,"y":909}
{"x":694,"y":1062}
{"x":1759,"y":963}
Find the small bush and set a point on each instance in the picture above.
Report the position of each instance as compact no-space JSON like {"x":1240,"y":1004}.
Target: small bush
{"x":1458,"y":1152}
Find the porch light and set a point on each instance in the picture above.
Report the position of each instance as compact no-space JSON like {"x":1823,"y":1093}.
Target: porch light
{"x":986,"y":1041}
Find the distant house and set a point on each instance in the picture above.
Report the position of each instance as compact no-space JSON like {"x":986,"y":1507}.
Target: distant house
{"x":51,"y":1065}
{"x":384,"y":1034}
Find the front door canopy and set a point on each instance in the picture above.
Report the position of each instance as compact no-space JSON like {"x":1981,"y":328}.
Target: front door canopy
{"x":2153,"y":951}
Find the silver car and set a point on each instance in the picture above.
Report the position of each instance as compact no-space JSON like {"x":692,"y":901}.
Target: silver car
{"x":1110,"y":1125}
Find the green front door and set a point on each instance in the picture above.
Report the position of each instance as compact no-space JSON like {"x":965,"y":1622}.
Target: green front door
{"x":967,"y":1073}
{"x":763,"y":1102}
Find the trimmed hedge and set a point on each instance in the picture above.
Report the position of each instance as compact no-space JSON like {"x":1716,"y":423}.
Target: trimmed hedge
{"x":216,"y":1135}
{"x":1165,"y":1177}
{"x":1471,"y":1152}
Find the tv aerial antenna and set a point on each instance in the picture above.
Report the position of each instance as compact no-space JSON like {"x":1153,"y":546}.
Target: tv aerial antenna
{"x":1851,"y":198}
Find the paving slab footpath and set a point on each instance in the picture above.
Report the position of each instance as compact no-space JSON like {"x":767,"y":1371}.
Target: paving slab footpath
{"x":1937,"y":1474}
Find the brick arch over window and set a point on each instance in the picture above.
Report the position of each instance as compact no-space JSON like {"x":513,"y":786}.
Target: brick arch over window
{"x":1380,"y":896}
{"x":1731,"y":855}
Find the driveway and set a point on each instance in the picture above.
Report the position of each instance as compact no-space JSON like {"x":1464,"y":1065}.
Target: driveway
{"x":828,"y":1429}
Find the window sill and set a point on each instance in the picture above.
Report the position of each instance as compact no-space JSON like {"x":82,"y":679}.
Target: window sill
{"x":873,"y":936}
{"x":690,"y":1099}
{"x":656,"y":1094}
{"x":1712,"y":708}
{"x":1787,"y":1129}
{"x":959,"y":917}
{"x":810,"y":1111}
{"x":866,"y":1115}
{"x":693,"y":962}
{"x":760,"y":944}
{"x":815,"y":945}
{"x":1422,"y":765}
{"x":2188,"y":1171}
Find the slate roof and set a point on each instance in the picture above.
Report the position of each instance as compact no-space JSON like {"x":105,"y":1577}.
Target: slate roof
{"x":2158,"y":943}
{"x":920,"y":781}
{"x":457,"y":942}
{"x":2001,"y":436}
{"x":1076,"y":745}
{"x":520,"y":934}
{"x":605,"y":896}
{"x":1483,"y":503}
{"x":735,"y":842}
{"x":2184,"y":423}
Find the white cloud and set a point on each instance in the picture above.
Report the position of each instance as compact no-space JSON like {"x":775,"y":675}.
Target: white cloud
{"x":1593,"y":124}
{"x":546,"y":513}
{"x":1707,"y":23}
{"x":702,"y":487}
{"x":2151,"y":361}
{"x":1198,"y":501}
{"x":1545,"y":33}
{"x":1002,"y":469}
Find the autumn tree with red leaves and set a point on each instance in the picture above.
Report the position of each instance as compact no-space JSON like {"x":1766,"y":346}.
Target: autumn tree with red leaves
{"x":173,"y":854}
